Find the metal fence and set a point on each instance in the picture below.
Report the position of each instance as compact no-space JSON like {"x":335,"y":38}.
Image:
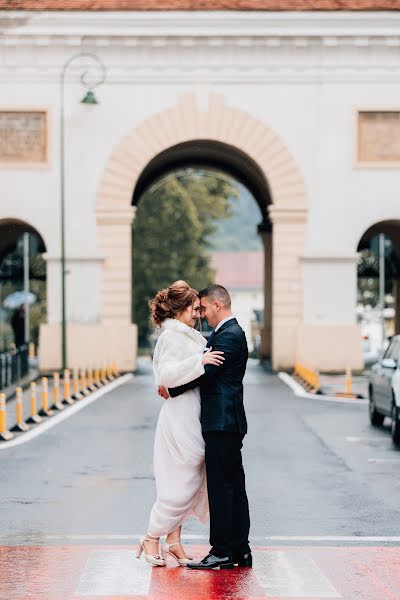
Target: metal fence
{"x":13,"y":366}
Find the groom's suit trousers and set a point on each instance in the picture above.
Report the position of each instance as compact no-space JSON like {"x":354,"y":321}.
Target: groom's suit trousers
{"x":229,"y":508}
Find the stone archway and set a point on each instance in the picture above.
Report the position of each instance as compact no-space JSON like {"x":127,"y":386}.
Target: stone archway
{"x":288,"y":211}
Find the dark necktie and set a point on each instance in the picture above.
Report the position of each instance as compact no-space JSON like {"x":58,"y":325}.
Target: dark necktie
{"x":210,"y":339}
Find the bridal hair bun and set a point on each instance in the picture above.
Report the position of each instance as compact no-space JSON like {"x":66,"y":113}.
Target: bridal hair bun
{"x":170,"y":302}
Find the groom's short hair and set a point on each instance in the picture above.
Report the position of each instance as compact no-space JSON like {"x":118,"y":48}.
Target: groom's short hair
{"x":217,"y":292}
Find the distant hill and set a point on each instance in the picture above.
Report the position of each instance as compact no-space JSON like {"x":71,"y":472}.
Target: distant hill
{"x":239,"y":233}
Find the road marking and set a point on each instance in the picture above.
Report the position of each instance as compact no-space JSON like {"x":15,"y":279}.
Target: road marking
{"x":377,"y":441}
{"x":114,"y":573}
{"x":384,"y":460}
{"x":134,"y":537}
{"x":300,"y":392}
{"x":291,"y":575}
{"x":65,"y":414}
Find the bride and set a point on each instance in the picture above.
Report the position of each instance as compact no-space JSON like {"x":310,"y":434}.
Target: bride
{"x":179,"y":357}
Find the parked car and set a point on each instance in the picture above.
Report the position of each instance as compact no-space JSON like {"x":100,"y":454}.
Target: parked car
{"x":384,"y":389}
{"x":370,"y":351}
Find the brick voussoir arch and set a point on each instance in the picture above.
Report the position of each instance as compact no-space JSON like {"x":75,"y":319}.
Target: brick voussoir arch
{"x":186,"y":122}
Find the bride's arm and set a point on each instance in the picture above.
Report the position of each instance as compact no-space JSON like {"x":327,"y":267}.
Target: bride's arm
{"x":173,"y":371}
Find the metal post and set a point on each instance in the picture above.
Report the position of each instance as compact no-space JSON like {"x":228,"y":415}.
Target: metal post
{"x":26,"y":288}
{"x":62,"y":218}
{"x":382,"y":286}
{"x":101,"y":79}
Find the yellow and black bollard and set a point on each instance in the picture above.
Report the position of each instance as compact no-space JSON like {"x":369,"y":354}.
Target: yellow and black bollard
{"x":45,"y":411}
{"x":84,"y":385}
{"x":110,"y":375}
{"x":76,"y":393}
{"x":97,"y":381}
{"x":90,"y":380}
{"x":34,"y":418}
{"x":115,"y":369}
{"x":20,"y":425}
{"x":67,"y":399}
{"x":57,"y":404}
{"x":4,"y":434}
{"x":103,"y":376}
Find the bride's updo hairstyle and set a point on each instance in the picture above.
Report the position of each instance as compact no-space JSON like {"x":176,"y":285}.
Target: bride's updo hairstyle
{"x":172,"y":301}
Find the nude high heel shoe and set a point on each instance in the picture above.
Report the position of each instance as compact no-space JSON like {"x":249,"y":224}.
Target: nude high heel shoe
{"x":166,"y":550}
{"x":155,"y":560}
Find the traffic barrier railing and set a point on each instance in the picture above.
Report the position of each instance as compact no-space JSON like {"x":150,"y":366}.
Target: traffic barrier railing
{"x":5,"y":435}
{"x":34,"y":417}
{"x":14,"y":365}
{"x":20,"y":425}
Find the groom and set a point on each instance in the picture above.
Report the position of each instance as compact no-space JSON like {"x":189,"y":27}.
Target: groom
{"x":224,"y":426}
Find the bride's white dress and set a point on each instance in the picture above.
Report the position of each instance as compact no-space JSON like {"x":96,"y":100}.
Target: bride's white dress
{"x":179,"y":446}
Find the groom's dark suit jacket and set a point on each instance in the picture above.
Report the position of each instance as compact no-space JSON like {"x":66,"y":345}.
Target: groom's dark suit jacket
{"x":221,"y":387}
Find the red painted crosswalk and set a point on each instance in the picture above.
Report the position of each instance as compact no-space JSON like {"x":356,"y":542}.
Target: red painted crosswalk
{"x":82,"y":572}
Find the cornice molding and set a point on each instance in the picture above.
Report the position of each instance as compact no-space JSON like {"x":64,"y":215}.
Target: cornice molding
{"x":219,"y":47}
{"x":219,"y":24}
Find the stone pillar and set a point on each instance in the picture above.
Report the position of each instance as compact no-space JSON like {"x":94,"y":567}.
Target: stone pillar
{"x":266,"y":332}
{"x":115,"y":237}
{"x":99,"y":322}
{"x":329,"y":338}
{"x":287,"y":248}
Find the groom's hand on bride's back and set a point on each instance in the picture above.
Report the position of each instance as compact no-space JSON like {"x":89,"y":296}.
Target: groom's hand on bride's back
{"x":163,"y":392}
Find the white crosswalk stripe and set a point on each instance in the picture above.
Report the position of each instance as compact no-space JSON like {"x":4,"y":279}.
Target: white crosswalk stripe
{"x":114,"y":573}
{"x":291,"y":575}
{"x":281,"y":574}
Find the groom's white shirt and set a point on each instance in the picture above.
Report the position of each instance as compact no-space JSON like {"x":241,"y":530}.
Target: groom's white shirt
{"x":222,"y":322}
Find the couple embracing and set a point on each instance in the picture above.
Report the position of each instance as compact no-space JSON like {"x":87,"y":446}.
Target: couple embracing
{"x":198,"y":441}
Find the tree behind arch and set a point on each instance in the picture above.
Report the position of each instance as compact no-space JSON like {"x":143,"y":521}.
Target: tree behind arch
{"x":168,"y":245}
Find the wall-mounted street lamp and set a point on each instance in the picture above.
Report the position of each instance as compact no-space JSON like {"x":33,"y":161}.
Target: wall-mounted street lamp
{"x":98,"y":67}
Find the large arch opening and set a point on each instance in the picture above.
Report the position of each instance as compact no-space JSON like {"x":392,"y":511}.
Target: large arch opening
{"x":378,"y":273}
{"x":265,"y":163}
{"x":248,"y":275}
{"x":21,"y":265}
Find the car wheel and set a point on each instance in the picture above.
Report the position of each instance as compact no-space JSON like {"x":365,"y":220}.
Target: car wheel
{"x":375,"y":417}
{"x":395,"y":425}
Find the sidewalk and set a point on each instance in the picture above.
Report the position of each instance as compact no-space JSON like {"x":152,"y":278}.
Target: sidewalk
{"x":335,"y":384}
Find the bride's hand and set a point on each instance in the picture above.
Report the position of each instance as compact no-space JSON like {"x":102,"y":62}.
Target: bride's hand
{"x":213,"y":358}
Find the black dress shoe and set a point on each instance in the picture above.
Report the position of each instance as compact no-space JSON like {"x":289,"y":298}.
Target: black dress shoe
{"x":212,"y":562}
{"x":243,"y":560}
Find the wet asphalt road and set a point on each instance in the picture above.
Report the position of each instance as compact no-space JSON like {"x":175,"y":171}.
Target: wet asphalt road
{"x":313,"y":469}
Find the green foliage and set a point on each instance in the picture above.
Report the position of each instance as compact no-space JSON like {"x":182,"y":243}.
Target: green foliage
{"x":238,"y":232}
{"x":213,"y":197}
{"x":167,"y":245}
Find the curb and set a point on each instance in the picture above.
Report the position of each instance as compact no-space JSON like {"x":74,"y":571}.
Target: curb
{"x":67,"y":412}
{"x":301,"y":393}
